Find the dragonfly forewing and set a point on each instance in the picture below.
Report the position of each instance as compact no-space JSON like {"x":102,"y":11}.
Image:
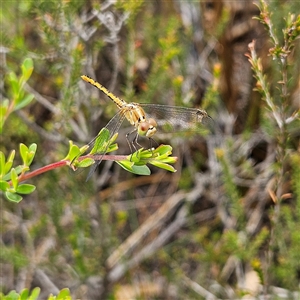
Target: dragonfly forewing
{"x":113,"y":127}
{"x":176,"y":118}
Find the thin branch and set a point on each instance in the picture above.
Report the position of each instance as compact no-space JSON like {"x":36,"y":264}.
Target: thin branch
{"x":153,"y":222}
{"x":42,"y":100}
{"x":63,"y":163}
{"x":149,"y":249}
{"x":198,"y":289}
{"x":54,"y":137}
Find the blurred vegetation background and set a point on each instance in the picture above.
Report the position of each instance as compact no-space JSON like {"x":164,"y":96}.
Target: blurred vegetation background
{"x":226,"y":224}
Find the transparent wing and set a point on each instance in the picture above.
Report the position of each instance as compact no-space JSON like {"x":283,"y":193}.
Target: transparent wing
{"x":176,"y":118}
{"x":113,"y":127}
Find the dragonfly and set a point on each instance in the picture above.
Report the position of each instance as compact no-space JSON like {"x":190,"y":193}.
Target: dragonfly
{"x":145,"y":118}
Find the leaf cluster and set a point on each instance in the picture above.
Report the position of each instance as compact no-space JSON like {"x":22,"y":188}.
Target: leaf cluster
{"x":25,"y":294}
{"x":10,"y":177}
{"x":18,"y":98}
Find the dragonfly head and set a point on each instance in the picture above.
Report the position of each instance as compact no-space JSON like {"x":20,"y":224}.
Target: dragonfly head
{"x":147,"y":128}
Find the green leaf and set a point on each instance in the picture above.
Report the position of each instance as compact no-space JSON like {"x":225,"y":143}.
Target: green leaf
{"x":101,"y":142}
{"x":25,"y":189}
{"x":2,"y":164}
{"x":83,"y":149}
{"x":24,"y":102}
{"x":35,"y":293}
{"x":112,"y":148}
{"x":4,"y":104}
{"x":125,"y":164}
{"x":24,"y":152}
{"x":64,"y":294}
{"x":141,"y":156}
{"x":141,"y":170}
{"x":162,"y":165}
{"x":136,"y":156}
{"x":4,"y":185}
{"x":113,"y":138}
{"x":164,"y":150}
{"x":170,"y":160}
{"x":14,"y":178}
{"x":3,"y":107}
{"x":146,"y":154}
{"x":12,"y":295}
{"x":24,"y":295}
{"x":31,"y":153}
{"x":3,"y":112}
{"x":27,"y":68}
{"x":131,"y":167}
{"x":14,"y":84}
{"x":74,"y":152}
{"x":11,"y":156}
{"x":86,"y":162}
{"x":18,"y":169}
{"x":33,"y":147}
{"x":13,"y":197}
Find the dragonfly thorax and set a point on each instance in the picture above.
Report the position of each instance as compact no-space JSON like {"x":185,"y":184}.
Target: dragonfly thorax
{"x":134,"y":113}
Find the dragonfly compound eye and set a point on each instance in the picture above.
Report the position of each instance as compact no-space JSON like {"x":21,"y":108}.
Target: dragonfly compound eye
{"x":152,"y":127}
{"x":152,"y":122}
{"x":143,"y":128}
{"x":146,"y":129}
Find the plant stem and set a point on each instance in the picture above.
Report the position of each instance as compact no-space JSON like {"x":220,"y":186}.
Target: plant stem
{"x":62,"y":163}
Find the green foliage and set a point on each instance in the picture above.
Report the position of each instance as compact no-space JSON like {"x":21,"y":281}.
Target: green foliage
{"x":134,"y":163}
{"x":18,"y":98}
{"x":284,"y":239}
{"x":103,"y":143}
{"x":159,"y":157}
{"x":285,"y":42}
{"x":131,"y":7}
{"x":14,"y":256}
{"x":78,"y":158}
{"x":64,"y":294}
{"x":10,"y":177}
{"x":287,"y":250}
{"x":295,"y":163}
{"x":211,"y":97}
{"x":230,"y":187}
{"x":23,"y":295}
{"x":162,"y":72}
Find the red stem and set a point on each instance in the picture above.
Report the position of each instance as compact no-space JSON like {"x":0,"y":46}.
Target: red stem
{"x":43,"y":170}
{"x":62,"y":163}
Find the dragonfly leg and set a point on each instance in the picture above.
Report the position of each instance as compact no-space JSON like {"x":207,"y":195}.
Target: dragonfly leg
{"x":131,"y":143}
{"x":135,"y":140}
{"x":151,"y":140}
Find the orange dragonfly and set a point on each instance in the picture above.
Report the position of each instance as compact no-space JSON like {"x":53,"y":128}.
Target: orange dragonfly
{"x":146,"y":117}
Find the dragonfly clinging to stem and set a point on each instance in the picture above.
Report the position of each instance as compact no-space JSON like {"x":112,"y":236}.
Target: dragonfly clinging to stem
{"x":146,"y":117}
